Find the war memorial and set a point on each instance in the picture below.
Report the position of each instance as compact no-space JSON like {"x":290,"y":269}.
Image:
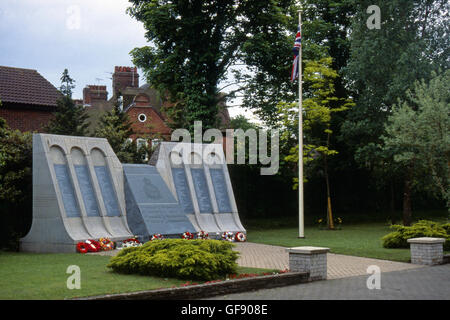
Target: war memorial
{"x":81,"y":191}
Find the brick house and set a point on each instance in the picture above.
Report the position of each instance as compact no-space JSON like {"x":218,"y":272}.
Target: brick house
{"x":28,"y":99}
{"x":143,"y":105}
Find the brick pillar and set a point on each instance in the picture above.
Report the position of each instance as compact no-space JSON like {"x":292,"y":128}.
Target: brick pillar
{"x":309,"y":259}
{"x":426,"y":250}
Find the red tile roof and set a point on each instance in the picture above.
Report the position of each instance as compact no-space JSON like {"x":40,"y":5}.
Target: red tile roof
{"x":26,"y":86}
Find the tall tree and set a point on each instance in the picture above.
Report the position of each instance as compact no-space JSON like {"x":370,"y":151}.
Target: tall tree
{"x":384,"y":63}
{"x":196,"y":44}
{"x":418,"y":135}
{"x":318,"y":111}
{"x":115,"y":126}
{"x":15,"y":185}
{"x":325,"y":28}
{"x":69,"y":118}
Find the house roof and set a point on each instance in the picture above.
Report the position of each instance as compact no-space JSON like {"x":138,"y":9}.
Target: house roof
{"x":26,"y":87}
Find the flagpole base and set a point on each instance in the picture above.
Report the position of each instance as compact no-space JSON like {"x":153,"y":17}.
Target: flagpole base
{"x":301,"y":237}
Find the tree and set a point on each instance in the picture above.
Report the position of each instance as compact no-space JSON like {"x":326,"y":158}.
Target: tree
{"x":194,"y":45}
{"x":384,"y":63}
{"x":418,"y":134}
{"x":318,"y":112}
{"x":69,"y":118}
{"x":15,"y":184}
{"x":325,"y":28}
{"x":114,"y":125}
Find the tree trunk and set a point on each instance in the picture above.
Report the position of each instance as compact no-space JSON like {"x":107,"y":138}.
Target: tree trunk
{"x":392,"y":204}
{"x":327,"y":181}
{"x":407,"y":211}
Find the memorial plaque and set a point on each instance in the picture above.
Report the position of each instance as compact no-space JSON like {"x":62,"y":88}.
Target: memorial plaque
{"x":67,"y":191}
{"x":220,"y":190}
{"x":150,"y":202}
{"x":201,"y":190}
{"x":87,"y":191}
{"x":183,"y":193}
{"x":150,"y":188}
{"x":107,"y":190}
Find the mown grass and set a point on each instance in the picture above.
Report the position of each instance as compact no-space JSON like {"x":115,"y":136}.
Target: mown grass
{"x":43,"y":276}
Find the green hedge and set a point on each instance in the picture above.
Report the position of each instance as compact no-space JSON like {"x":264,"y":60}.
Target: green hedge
{"x":424,"y":228}
{"x":178,"y":258}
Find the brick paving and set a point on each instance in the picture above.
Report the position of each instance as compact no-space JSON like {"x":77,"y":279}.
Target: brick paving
{"x":274,"y":257}
{"x":339,"y":266}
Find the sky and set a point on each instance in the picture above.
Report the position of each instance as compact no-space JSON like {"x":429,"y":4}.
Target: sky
{"x":88,"y":37}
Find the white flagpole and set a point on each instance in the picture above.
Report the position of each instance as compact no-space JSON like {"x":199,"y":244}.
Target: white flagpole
{"x":301,"y":231}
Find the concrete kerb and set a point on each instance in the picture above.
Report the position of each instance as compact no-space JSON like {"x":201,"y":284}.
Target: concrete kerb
{"x":210,"y":289}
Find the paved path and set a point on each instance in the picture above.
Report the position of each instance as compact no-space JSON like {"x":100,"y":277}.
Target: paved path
{"x":339,"y":266}
{"x":427,"y":283}
{"x":274,"y":257}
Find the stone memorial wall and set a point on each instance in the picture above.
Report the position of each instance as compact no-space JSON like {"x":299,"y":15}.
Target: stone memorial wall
{"x":81,"y":191}
{"x":197,"y":175}
{"x":77,"y":194}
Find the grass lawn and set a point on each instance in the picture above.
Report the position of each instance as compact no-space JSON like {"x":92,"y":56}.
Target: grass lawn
{"x":43,"y":276}
{"x":363,"y":240}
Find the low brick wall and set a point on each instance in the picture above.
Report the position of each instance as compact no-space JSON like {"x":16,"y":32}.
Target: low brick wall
{"x":312,"y":260}
{"x":211,"y":289}
{"x":427,"y":251}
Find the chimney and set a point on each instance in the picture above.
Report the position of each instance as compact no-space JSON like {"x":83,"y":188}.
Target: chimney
{"x":124,"y":77}
{"x":93,"y":93}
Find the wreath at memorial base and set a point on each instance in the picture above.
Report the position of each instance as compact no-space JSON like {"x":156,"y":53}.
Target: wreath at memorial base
{"x":157,"y":236}
{"x":203,"y":235}
{"x":93,"y":246}
{"x":132,"y":242}
{"x":106,"y":244}
{"x":228,"y":236}
{"x":187,"y":236}
{"x":240,"y":237}
{"x":82,"y":247}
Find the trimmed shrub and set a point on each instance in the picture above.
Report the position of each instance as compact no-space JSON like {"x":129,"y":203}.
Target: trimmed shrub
{"x":424,"y":228}
{"x":177,"y":258}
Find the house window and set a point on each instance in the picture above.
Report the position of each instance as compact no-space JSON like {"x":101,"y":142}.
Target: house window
{"x":142,"y":143}
{"x":155,"y":142}
{"x":142,"y":117}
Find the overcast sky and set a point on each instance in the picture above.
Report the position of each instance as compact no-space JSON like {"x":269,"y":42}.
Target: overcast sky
{"x":88,"y":37}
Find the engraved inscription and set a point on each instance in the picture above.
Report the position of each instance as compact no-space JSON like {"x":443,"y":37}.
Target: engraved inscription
{"x":67,"y":191}
{"x":87,"y":191}
{"x":220,"y":190}
{"x":183,"y":193}
{"x":201,"y":190}
{"x":107,"y":189}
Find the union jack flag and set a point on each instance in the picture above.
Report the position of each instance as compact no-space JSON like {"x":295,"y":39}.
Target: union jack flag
{"x":296,"y":50}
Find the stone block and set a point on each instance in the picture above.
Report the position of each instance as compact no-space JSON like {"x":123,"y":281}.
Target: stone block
{"x":427,"y":250}
{"x":309,"y":259}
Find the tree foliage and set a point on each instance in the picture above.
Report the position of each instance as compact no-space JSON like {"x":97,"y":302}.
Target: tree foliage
{"x":115,"y":126}
{"x":317,"y":114}
{"x":69,"y":118}
{"x":418,"y":134}
{"x":15,"y":164}
{"x":384,"y":63}
{"x":194,"y":45}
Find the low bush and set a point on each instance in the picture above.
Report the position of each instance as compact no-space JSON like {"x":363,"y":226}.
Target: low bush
{"x":177,"y":258}
{"x":424,"y":228}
